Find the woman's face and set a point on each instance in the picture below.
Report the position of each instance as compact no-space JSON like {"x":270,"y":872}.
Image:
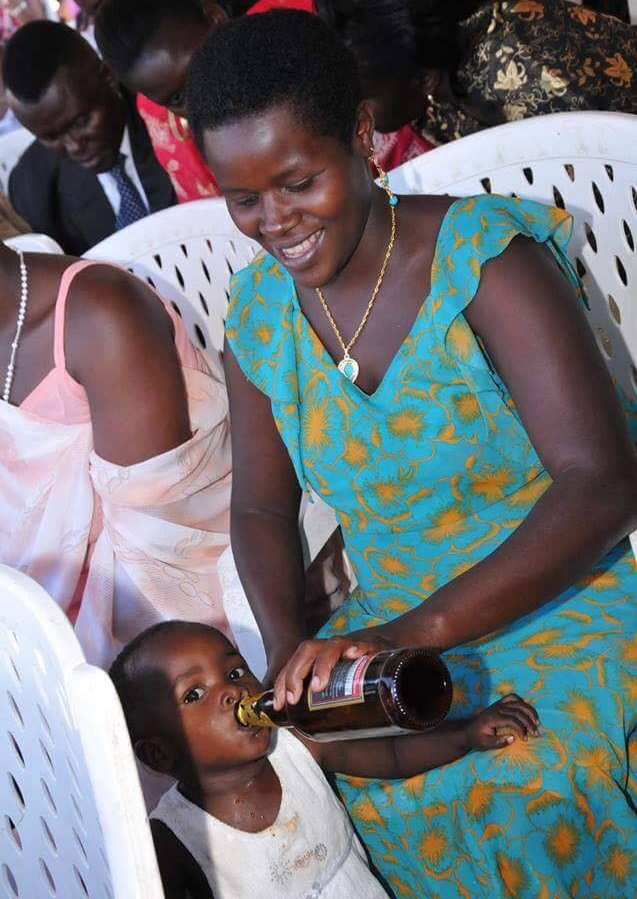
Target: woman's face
{"x":303,"y":197}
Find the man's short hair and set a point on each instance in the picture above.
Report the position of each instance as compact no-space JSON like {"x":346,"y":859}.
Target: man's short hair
{"x":35,"y":54}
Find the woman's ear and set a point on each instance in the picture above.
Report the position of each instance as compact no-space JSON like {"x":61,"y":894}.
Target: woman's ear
{"x":215,"y":13}
{"x":364,"y":131}
{"x":156,"y":753}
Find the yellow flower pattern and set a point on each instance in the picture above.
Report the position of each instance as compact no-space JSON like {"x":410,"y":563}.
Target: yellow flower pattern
{"x":428,"y":476}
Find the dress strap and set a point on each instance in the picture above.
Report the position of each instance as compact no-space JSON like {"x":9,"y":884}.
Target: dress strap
{"x":59,"y":356}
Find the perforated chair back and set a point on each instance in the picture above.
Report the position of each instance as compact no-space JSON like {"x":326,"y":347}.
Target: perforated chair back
{"x":73,"y":818}
{"x":585,"y":162}
{"x":187,"y":253}
{"x":12,"y":146}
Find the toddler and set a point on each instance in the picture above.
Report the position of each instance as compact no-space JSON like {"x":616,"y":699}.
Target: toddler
{"x":252,"y":817}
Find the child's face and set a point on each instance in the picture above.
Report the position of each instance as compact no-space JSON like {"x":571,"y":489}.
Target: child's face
{"x":204,"y":679}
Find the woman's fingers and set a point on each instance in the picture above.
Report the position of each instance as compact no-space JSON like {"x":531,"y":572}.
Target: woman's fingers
{"x":287,"y":687}
{"x":319,"y":658}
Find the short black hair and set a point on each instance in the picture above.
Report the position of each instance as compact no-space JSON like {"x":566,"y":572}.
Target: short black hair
{"x":123,"y":29}
{"x":397,"y":38}
{"x":36,"y":52}
{"x":132,"y":680}
{"x":280,"y":58}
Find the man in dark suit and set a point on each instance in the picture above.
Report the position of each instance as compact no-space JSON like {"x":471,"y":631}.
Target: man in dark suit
{"x":92,"y":169}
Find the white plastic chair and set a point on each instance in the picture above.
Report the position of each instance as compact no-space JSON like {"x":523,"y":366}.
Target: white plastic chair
{"x":72,"y":818}
{"x":188,"y":253}
{"x":34,"y":243}
{"x":585,"y":162}
{"x":12,"y":146}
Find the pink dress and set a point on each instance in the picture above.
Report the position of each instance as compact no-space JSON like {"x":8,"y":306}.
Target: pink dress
{"x":117,"y":547}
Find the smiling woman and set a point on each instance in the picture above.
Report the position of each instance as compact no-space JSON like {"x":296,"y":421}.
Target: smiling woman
{"x":481,"y":471}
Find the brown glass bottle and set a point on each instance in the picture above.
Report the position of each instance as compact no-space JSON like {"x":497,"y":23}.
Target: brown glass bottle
{"x":392,"y":692}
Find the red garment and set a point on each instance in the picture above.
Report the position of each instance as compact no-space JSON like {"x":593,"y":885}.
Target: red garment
{"x":172,"y":140}
{"x":399,"y":146}
{"x":177,"y":152}
{"x":265,"y":5}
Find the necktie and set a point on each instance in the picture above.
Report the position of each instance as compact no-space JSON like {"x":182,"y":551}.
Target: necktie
{"x":131,"y":207}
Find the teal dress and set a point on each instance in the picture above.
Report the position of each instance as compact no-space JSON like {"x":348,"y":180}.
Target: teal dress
{"x":428,"y":475}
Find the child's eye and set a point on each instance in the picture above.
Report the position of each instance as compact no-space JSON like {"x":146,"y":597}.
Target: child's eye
{"x":193,"y":695}
{"x":237,"y":673}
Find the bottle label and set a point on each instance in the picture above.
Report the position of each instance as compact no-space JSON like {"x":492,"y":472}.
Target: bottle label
{"x":345,"y":686}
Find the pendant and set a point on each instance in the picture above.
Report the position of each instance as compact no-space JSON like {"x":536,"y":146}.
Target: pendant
{"x":348,"y":367}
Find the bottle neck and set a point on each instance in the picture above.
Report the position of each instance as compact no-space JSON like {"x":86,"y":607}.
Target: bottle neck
{"x":258,"y":711}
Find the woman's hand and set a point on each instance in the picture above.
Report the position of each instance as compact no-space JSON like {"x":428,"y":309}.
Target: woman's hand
{"x":320,"y":656}
{"x":499,"y":725}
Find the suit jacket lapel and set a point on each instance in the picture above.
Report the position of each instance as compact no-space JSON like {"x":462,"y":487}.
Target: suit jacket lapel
{"x":157,"y":184}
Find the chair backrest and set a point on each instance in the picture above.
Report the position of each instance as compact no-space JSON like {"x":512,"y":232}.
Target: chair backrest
{"x":187,"y":253}
{"x":34,"y":243}
{"x":583,"y":161}
{"x":73,"y":818}
{"x":12,"y":146}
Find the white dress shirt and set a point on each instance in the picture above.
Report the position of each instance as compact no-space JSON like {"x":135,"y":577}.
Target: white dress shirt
{"x":108,"y":182}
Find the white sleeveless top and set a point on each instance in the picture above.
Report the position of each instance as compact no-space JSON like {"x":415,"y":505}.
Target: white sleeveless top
{"x":309,"y":852}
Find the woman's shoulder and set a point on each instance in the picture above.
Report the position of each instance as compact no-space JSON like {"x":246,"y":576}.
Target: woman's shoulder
{"x":263,"y":278}
{"x":485,"y":224}
{"x":260,"y":304}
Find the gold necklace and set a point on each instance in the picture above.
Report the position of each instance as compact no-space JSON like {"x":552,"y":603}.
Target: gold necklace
{"x":348,"y":366}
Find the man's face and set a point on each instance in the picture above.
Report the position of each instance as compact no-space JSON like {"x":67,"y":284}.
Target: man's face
{"x":80,"y":116}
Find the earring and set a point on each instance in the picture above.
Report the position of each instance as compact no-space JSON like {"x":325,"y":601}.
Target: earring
{"x":384,"y":180}
{"x":430,"y":99}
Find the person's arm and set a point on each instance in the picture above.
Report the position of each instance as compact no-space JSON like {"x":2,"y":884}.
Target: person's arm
{"x":120,"y":347}
{"x":264,"y":518}
{"x":181,"y":876}
{"x":406,"y":756}
{"x":527,"y":316}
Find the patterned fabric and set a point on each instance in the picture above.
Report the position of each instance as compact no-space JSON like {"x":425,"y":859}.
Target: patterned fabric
{"x":177,"y":152}
{"x":131,"y":207}
{"x":393,"y":148}
{"x":429,"y":475}
{"x":526,"y":58}
{"x":126,"y":545}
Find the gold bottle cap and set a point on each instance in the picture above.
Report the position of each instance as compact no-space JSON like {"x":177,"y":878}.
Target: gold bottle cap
{"x":248,"y":715}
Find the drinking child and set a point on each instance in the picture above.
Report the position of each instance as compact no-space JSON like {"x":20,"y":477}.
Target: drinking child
{"x":251,"y":817}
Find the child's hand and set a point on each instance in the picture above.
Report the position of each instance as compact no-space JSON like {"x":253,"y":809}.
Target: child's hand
{"x":501,"y":722}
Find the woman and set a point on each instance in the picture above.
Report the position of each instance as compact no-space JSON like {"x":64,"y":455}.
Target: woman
{"x":507,"y":61}
{"x":114,"y":450}
{"x":479,"y":465}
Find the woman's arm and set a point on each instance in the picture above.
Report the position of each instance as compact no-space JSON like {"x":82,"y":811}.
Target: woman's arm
{"x":264,"y":518}
{"x":528,"y":318}
{"x":543,"y":348}
{"x":120,"y":347}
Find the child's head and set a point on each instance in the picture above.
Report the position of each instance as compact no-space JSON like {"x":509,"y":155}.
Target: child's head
{"x":179,"y":683}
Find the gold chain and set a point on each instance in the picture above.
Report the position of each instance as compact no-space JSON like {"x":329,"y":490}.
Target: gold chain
{"x":390,"y":246}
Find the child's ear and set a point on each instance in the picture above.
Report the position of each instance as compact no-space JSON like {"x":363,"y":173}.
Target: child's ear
{"x":156,"y":753}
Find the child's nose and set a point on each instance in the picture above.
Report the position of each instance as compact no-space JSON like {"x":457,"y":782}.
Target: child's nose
{"x":230,"y":696}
